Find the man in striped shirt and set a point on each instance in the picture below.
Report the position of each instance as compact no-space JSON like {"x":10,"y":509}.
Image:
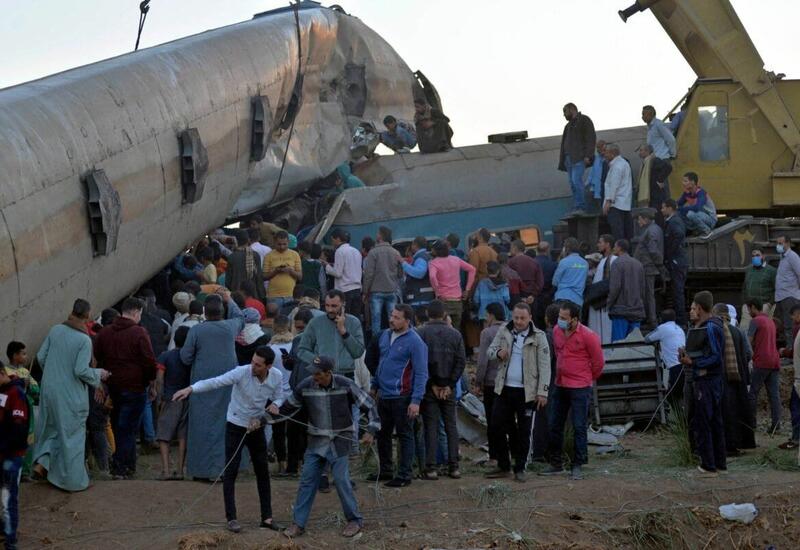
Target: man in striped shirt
{"x":328,"y":399}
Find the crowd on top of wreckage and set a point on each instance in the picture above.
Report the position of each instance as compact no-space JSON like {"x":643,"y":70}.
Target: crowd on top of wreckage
{"x":305,"y":354}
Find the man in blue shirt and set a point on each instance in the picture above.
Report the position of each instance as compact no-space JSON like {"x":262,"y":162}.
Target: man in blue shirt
{"x":570,"y":276}
{"x":399,"y":385}
{"x":659,"y":137}
{"x":704,"y":354}
{"x":397,"y":137}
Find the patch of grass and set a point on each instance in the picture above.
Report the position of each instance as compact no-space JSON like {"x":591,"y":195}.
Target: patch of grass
{"x":679,"y":452}
{"x":653,"y":531}
{"x":492,"y":495}
{"x":777,"y":459}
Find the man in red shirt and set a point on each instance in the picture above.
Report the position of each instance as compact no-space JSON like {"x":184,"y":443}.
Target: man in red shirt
{"x":528,"y":269}
{"x":580,"y":362}
{"x":766,"y":361}
{"x":123,"y":348}
{"x":14,"y":418}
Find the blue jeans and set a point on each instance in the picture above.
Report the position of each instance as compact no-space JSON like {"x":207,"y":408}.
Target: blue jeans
{"x":575,"y":173}
{"x":378,"y":303}
{"x":147,"y":423}
{"x":699,"y":222}
{"x":125,"y":419}
{"x":794,"y":408}
{"x":9,"y":489}
{"x":770,"y":379}
{"x":562,"y":400}
{"x":313,"y":467}
{"x":280,"y":301}
{"x":621,"y":328}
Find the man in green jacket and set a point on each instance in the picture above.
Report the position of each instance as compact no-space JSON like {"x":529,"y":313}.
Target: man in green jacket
{"x":336,"y":334}
{"x":759,"y":282}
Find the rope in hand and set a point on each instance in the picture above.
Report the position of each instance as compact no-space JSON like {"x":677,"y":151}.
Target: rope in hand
{"x":271,"y":420}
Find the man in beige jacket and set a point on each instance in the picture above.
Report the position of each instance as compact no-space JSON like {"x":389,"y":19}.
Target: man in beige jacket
{"x":522,"y":385}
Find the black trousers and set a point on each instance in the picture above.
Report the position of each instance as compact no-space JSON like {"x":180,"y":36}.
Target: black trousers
{"x":279,"y":440}
{"x":621,"y":223}
{"x":708,"y":423}
{"x":489,"y":397}
{"x":677,"y":285}
{"x":296,"y":439}
{"x":353,"y":304}
{"x":256,"y":443}
{"x":512,"y":417}
{"x":432,"y":409}
{"x":394,"y":416}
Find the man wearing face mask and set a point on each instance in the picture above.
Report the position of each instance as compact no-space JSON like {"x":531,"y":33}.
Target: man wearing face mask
{"x":787,"y":283}
{"x":759,"y":282}
{"x":580,"y":362}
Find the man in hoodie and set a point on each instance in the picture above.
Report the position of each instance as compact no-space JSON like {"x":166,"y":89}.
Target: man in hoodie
{"x":446,"y":361}
{"x":580,"y":362}
{"x":14,"y":419}
{"x":625,"y":301}
{"x":399,"y":385}
{"x":382,"y":278}
{"x":521,"y":387}
{"x":125,"y":351}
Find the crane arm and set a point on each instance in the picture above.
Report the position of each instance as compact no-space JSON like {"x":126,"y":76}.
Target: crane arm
{"x":713,"y":40}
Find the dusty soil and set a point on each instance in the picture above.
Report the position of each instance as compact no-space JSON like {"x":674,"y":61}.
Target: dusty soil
{"x":637,"y":499}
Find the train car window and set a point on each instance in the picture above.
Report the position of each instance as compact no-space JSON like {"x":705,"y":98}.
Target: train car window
{"x":530,"y":236}
{"x":713,"y":126}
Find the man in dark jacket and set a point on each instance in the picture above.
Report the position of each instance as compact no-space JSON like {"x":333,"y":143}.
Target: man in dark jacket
{"x":705,"y":350}
{"x":675,"y":257}
{"x":434,"y":133}
{"x":125,"y":351}
{"x":549,"y":266}
{"x":739,"y":417}
{"x":625,"y":301}
{"x":577,"y":152}
{"x":446,"y":360}
{"x":650,"y":252}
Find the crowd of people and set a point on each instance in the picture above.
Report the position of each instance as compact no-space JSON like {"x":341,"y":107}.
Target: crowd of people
{"x":304,"y":354}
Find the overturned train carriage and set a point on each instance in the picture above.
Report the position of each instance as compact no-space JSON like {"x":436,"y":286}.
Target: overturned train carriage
{"x":108,"y":170}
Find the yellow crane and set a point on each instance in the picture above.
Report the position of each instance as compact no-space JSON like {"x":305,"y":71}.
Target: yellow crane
{"x":739,"y":130}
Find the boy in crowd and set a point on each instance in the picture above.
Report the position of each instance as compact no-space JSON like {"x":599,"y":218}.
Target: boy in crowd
{"x":173,"y":374}
{"x":14,"y":424}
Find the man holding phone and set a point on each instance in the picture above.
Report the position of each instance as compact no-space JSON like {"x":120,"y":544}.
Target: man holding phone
{"x":283,"y":269}
{"x":522,"y":385}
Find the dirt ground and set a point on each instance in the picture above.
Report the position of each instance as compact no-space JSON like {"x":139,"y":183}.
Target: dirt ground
{"x":635,"y":499}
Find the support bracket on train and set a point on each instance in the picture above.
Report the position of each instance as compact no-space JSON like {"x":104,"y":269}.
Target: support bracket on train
{"x":105,"y":212}
{"x":194,"y":165}
{"x":260,"y":127}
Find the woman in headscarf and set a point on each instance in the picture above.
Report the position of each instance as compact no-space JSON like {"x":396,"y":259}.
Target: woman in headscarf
{"x":736,"y":409}
{"x":251,"y":336}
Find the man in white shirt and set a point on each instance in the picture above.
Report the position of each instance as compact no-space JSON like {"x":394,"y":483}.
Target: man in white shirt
{"x":261,"y":249}
{"x":671,"y":338}
{"x":254,"y":387}
{"x":346,"y":271}
{"x":618,"y":194}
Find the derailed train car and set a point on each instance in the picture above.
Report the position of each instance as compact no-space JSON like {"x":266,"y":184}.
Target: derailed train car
{"x":108,"y":170}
